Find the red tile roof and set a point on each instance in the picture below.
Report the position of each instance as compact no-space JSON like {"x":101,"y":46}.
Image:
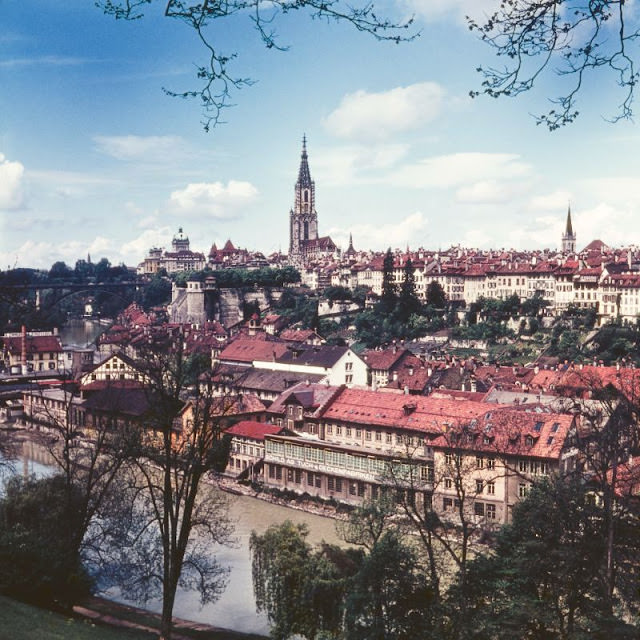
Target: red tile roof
{"x":247,"y":350}
{"x":254,"y":430}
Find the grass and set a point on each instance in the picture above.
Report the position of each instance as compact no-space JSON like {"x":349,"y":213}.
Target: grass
{"x":19,"y":621}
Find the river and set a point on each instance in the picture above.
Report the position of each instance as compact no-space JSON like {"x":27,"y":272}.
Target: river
{"x":236,"y":608}
{"x":81,"y":332}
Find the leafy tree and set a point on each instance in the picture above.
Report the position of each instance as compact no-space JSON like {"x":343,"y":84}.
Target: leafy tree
{"x":436,"y":297}
{"x":179,"y":513}
{"x":389,"y":596}
{"x":60,"y":271}
{"x":301,"y":590}
{"x":543,"y":580}
{"x":39,"y":559}
{"x":575,"y":38}
{"x":214,"y":74}
{"x":337,"y":293}
{"x":156,"y":292}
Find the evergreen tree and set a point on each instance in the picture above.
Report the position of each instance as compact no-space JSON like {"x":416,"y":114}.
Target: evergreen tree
{"x":408,"y":302}
{"x":389,"y":296}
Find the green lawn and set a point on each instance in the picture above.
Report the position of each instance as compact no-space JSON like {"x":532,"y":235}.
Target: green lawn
{"x":20,"y":621}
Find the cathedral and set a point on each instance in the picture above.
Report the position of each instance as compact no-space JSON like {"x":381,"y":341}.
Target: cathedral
{"x":304,"y":244}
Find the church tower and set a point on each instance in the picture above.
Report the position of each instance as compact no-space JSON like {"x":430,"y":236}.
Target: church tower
{"x":303,"y":218}
{"x":569,"y":236}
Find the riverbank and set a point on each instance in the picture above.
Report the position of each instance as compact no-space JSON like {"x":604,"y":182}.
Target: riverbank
{"x":114,"y":614}
{"x":99,"y":619}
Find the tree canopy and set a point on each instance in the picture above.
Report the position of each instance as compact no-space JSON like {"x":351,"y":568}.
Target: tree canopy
{"x":575,"y":39}
{"x":214,"y":75}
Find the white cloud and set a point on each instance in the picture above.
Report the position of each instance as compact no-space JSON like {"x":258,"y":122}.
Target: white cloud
{"x":149,"y":148}
{"x":621,"y":190}
{"x":135,"y":250}
{"x":378,"y":237}
{"x":354,"y":163}
{"x":12,"y":195}
{"x":42,"y":254}
{"x":41,"y":61}
{"x":432,"y":10}
{"x":460,"y":169}
{"x":487,"y":192}
{"x":213,"y":199}
{"x":378,"y":116}
{"x":556,"y":201}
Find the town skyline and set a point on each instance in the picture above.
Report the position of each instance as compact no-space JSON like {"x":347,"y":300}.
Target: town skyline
{"x":105,"y":164}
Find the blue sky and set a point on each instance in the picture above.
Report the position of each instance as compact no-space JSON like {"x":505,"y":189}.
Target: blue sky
{"x":94,"y":158}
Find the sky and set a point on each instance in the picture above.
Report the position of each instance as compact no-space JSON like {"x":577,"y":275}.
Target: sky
{"x":96,"y":160}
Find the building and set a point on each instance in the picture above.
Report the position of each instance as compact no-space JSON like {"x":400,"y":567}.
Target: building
{"x":180,"y":258}
{"x":32,"y":351}
{"x":304,"y":243}
{"x":446,"y":452}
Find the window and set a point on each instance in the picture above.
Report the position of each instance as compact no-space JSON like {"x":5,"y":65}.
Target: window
{"x":348,"y":432}
{"x":353,"y":488}
{"x":479,"y":486}
{"x":479,"y":462}
{"x":378,"y":436}
{"x":367,"y":435}
{"x":426,"y":473}
{"x":290,"y":475}
{"x":448,"y":483}
{"x":388,"y":437}
{"x":491,"y":487}
{"x":310,"y":478}
{"x":348,"y":379}
{"x":339,"y":485}
{"x":330,"y":483}
{"x":338,"y":431}
{"x":478,"y":508}
{"x":523,"y":490}
{"x":447,"y":504}
{"x":298,"y":478}
{"x":360,"y":489}
{"x":491,"y":463}
{"x":490,"y":512}
{"x":523,"y":466}
{"x":278,"y":472}
{"x":318,"y":480}
{"x":358,"y":433}
{"x":348,"y":366}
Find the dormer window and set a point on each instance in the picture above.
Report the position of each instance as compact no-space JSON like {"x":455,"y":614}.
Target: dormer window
{"x":528,"y":441}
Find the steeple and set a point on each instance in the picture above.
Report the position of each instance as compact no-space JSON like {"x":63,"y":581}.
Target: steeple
{"x":303,"y":218}
{"x":569,"y":236}
{"x":304,"y":175}
{"x":569,"y":230}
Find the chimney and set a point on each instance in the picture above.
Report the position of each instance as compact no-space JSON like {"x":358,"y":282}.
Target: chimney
{"x":23,"y":349}
{"x":410,"y":371}
{"x":395,"y":376}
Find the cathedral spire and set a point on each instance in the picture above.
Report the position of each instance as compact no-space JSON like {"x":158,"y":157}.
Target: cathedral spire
{"x":304,"y":175}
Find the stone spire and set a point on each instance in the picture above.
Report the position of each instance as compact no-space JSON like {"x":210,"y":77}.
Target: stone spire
{"x":304,"y":175}
{"x":569,"y":235}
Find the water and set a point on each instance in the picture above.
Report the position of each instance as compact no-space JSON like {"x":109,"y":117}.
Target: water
{"x":80,"y":332}
{"x":236,"y":608}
